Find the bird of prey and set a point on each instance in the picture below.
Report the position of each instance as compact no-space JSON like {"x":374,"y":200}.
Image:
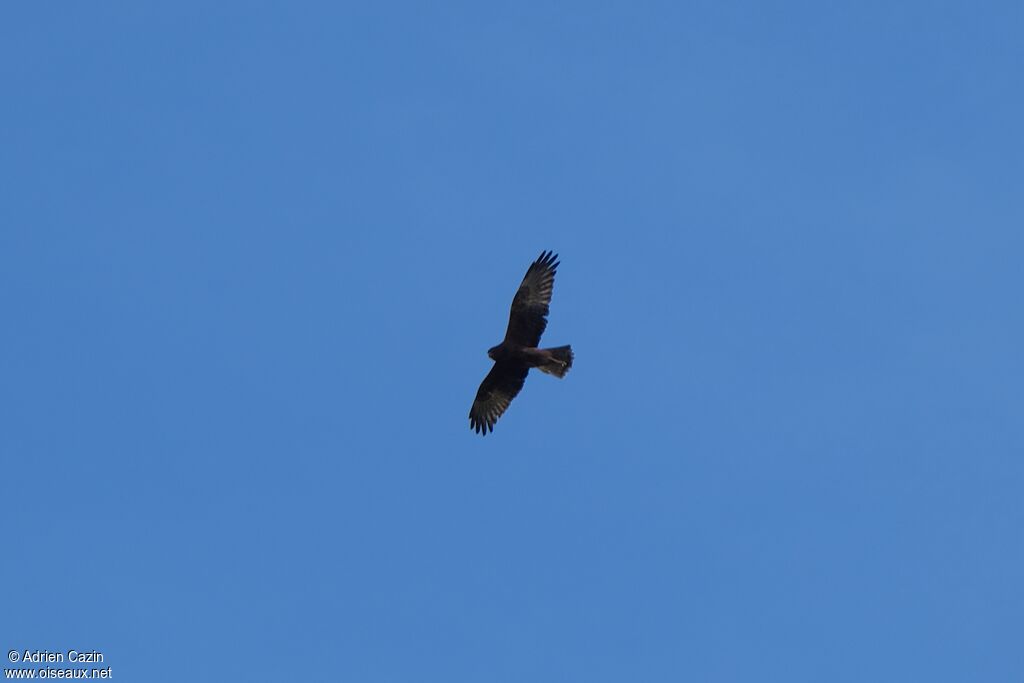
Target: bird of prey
{"x":514,"y":356}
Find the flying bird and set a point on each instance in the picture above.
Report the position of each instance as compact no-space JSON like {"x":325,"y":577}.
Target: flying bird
{"x":514,"y":356}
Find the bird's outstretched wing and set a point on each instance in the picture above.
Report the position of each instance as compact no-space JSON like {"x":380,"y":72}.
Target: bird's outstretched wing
{"x":496,"y":392}
{"x":528,"y":317}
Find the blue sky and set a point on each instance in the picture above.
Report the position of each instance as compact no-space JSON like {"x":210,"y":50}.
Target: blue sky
{"x":252,"y":256}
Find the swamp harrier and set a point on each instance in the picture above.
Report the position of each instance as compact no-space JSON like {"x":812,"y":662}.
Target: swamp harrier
{"x":514,"y":357}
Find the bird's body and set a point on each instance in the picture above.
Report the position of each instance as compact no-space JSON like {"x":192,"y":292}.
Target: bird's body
{"x":518,"y":352}
{"x":527,"y":355}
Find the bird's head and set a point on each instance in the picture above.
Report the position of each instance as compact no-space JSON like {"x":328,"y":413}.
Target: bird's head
{"x":492,"y":352}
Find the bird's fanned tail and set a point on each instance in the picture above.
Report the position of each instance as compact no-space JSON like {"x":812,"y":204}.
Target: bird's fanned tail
{"x":561,"y":361}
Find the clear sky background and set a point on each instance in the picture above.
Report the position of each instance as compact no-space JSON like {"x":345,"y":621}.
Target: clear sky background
{"x":252,"y":256}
